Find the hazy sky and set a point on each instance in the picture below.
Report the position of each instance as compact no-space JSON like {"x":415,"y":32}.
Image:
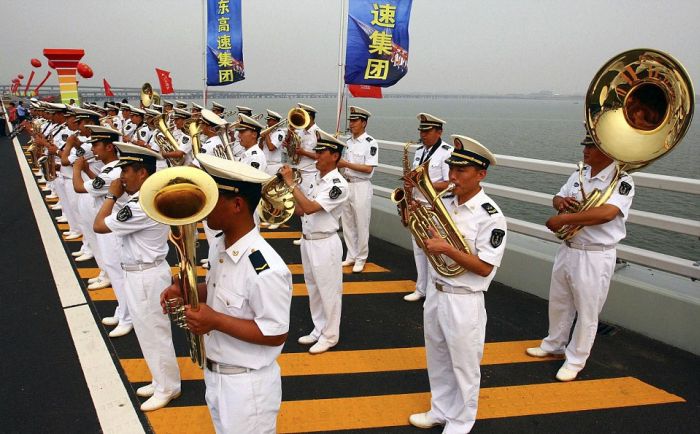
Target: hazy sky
{"x":456,"y":46}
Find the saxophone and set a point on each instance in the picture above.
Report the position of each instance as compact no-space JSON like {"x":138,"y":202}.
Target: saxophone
{"x":419,"y":217}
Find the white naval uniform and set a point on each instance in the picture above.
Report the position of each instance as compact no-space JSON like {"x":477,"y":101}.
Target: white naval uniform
{"x":84,"y":203}
{"x":321,"y":255}
{"x":455,"y":320}
{"x":108,"y":244}
{"x":144,"y":241}
{"x":128,"y":128}
{"x":249,"y":280}
{"x":581,"y":278}
{"x":254,"y":157}
{"x":274,"y":158}
{"x":438,"y":171}
{"x":307,"y":165}
{"x":184,"y":142}
{"x":208,"y":147}
{"x":357,"y":212}
{"x":64,"y":184}
{"x":161,"y":163}
{"x":143,"y":132}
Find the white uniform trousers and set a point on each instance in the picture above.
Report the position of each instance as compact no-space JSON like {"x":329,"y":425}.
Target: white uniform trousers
{"x":455,"y":329}
{"x":356,"y":215}
{"x":580,"y":282}
{"x":86,"y":218}
{"x":152,"y":326}
{"x":423,"y":280}
{"x":109,"y":250}
{"x":323,"y":275}
{"x":68,"y":207}
{"x":245,"y":403}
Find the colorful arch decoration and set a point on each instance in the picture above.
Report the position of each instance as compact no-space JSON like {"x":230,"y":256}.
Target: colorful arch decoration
{"x":65,"y":61}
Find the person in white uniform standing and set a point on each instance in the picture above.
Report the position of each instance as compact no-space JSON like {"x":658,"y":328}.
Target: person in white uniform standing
{"x":144,"y":246}
{"x":436,"y":151}
{"x":245,"y":319}
{"x":271,"y":143}
{"x":585,"y":264}
{"x":248,"y":132}
{"x":361,"y":157}
{"x":454,"y":314}
{"x":321,"y":249}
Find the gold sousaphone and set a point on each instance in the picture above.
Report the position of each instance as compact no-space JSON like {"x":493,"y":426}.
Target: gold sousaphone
{"x":181,"y":197}
{"x":149,"y":96}
{"x":638,"y":107}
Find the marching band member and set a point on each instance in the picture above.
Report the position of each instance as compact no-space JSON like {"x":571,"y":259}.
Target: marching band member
{"x":127,"y":126}
{"x":361,"y":157}
{"x":306,"y":165}
{"x":182,"y":105}
{"x":585,"y":264}
{"x":151,"y":115}
{"x":64,"y":141}
{"x":217,"y":108}
{"x":196,"y":110}
{"x":144,"y":246}
{"x":454,"y":314}
{"x":167,"y":107}
{"x":94,"y":187}
{"x":272,"y":143}
{"x":321,"y":249}
{"x":141,"y":133}
{"x":183,"y":139}
{"x":243,"y":110}
{"x":245,"y":319}
{"x":249,"y":130}
{"x":436,"y":151}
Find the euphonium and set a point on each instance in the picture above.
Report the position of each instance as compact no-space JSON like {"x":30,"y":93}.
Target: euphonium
{"x":277,"y":202}
{"x":193,"y":129}
{"x":169,"y":144}
{"x":148,"y":96}
{"x":298,"y":119}
{"x":638,"y":107}
{"x":180,"y":197}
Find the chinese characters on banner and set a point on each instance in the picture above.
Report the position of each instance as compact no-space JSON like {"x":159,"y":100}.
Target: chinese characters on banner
{"x":224,"y":42}
{"x":166,"y":82}
{"x":377,"y":43}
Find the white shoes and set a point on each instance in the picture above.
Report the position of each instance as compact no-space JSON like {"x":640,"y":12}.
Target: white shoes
{"x":84,"y":257}
{"x":61,"y":219}
{"x":56,"y":207}
{"x":537,"y":352}
{"x":154,"y":403}
{"x":319,"y":347}
{"x":110,"y":321}
{"x":423,"y":420}
{"x":80,"y":253}
{"x":121,"y":330}
{"x":358,"y":267}
{"x":565,"y":374}
{"x":204,"y":261}
{"x":414,"y":296}
{"x":94,"y":279}
{"x":307,"y":340}
{"x":146,"y":391}
{"x":51,"y":196}
{"x":347,"y":262}
{"x":73,"y":236}
{"x":100,"y":283}
{"x":297,"y":242}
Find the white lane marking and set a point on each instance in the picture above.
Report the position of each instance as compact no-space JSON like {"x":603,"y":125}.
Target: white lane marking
{"x":112,"y":403}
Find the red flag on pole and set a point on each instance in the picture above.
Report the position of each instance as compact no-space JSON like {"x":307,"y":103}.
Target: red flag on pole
{"x":365,"y":91}
{"x":108,"y":88}
{"x":166,"y":83}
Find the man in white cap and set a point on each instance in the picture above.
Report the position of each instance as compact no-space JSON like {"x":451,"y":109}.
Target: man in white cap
{"x":182,"y":105}
{"x":144,"y":247}
{"x":211,"y":123}
{"x":246,"y":305}
{"x":141,"y":134}
{"x":361,"y":157}
{"x":321,"y":249}
{"x":249,"y":131}
{"x":454,"y":313}
{"x":271,"y":143}
{"x":584,"y":264}
{"x":217,"y":108}
{"x":243,"y":110}
{"x":184,"y":141}
{"x":434,"y":151}
{"x":196,"y":110}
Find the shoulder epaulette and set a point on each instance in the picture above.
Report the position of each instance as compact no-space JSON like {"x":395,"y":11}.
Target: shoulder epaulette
{"x":369,"y":139}
{"x":446,"y":147}
{"x":489,"y":208}
{"x":134,"y":200}
{"x":258,"y":261}
{"x":336,"y":180}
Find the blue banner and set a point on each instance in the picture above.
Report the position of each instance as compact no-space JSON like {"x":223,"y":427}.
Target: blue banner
{"x":224,"y":42}
{"x":377,"y":44}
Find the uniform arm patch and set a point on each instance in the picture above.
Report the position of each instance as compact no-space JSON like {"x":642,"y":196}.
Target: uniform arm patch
{"x":373,"y":151}
{"x":497,"y":237}
{"x":258,"y":261}
{"x":335,"y":192}
{"x":489,"y":208}
{"x":124,"y":214}
{"x":625,"y":188}
{"x":98,"y":183}
{"x":255,"y":164}
{"x":185,"y":140}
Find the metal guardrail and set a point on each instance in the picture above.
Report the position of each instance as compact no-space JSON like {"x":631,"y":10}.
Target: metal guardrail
{"x":648,"y":258}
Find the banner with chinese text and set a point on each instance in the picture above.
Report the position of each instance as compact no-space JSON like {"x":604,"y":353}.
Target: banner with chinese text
{"x":377,"y":42}
{"x":224,"y":42}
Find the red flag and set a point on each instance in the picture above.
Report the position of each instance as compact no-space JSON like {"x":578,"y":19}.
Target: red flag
{"x":365,"y":91}
{"x":166,"y":83}
{"x":108,"y":88}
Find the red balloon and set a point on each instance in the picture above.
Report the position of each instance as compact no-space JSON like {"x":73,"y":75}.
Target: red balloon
{"x":36,"y":63}
{"x":51,"y":64}
{"x":20,"y":76}
{"x":84,"y":70}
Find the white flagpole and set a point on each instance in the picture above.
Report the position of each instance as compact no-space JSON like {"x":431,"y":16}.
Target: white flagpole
{"x":341,"y":60}
{"x":204,"y":53}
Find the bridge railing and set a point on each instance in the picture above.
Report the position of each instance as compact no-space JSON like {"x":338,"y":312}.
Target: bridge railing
{"x":631,"y":254}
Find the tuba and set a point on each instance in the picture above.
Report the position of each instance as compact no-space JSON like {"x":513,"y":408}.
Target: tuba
{"x":148,"y":96}
{"x":433,"y":215}
{"x":638,"y":107}
{"x":180,"y":197}
{"x":277,"y":202}
{"x":167,"y":141}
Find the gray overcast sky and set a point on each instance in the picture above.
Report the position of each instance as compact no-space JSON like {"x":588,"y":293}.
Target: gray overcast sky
{"x":456,"y":46}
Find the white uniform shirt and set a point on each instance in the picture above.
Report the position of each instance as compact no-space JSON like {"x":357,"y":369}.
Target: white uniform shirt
{"x":210,"y":144}
{"x":254,"y":157}
{"x":128,"y":127}
{"x":330,"y":192}
{"x":308,"y":142}
{"x":98,"y":187}
{"x":276,"y":137}
{"x":613,"y":231}
{"x":249,"y":280}
{"x":161,"y":163}
{"x":184,"y":143}
{"x":60,"y":141}
{"x":483,"y":227}
{"x":438,"y":170}
{"x":144,"y":133}
{"x":363,"y":150}
{"x":141,"y":239}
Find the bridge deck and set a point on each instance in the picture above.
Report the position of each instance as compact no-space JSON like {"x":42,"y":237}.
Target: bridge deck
{"x":370,"y":382}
